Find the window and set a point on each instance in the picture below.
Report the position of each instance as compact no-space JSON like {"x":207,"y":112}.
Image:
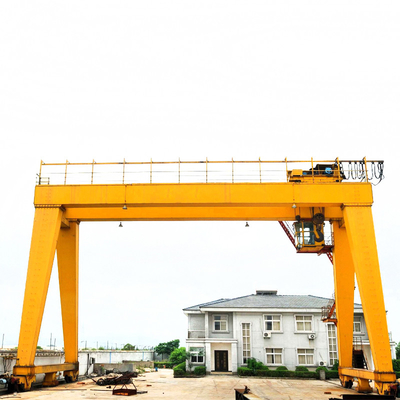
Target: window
{"x":305,"y":356}
{"x":220,"y":322}
{"x":274,"y":356}
{"x":357,"y":324}
{"x":197,"y":355}
{"x":272,"y":322}
{"x":332,"y":347}
{"x":304,"y":323}
{"x":246,"y":342}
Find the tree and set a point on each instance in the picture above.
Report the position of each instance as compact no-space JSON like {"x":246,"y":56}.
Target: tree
{"x":179,"y":356}
{"x":129,"y":346}
{"x":398,"y":351}
{"x":167,"y":348}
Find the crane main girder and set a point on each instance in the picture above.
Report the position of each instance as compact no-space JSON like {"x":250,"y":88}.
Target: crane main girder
{"x":60,"y":209}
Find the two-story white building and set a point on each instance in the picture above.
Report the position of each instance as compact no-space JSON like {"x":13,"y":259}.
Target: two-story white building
{"x":275,"y":329}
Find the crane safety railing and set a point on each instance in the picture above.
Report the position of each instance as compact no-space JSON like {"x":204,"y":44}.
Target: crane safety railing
{"x":207,"y":171}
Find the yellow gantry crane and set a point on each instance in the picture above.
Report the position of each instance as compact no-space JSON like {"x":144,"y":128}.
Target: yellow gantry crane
{"x":338,"y":192}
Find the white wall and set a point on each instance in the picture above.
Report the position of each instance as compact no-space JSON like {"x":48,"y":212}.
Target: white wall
{"x":100,"y":356}
{"x":110,"y":357}
{"x":288,"y":339}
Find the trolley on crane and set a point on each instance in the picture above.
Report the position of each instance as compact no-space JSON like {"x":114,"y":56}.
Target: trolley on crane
{"x":318,"y":174}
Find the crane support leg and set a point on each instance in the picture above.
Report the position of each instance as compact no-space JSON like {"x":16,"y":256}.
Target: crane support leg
{"x":343,"y":271}
{"x":68,"y":271}
{"x":361,"y":236}
{"x":46,"y":227}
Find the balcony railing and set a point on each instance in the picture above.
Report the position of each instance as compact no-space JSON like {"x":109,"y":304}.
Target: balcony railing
{"x":196,"y":334}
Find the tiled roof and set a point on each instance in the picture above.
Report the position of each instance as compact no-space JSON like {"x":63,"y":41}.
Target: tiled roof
{"x":267,"y":301}
{"x":210,"y":303}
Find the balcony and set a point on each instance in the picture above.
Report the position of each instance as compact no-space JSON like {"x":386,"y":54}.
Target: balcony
{"x":196,"y":334}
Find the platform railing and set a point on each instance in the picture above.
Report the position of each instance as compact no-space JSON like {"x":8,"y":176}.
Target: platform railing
{"x":207,"y":171}
{"x":196,"y":334}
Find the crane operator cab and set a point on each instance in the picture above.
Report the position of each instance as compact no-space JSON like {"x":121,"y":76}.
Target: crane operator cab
{"x":309,"y":235}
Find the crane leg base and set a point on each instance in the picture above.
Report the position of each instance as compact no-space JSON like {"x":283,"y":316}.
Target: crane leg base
{"x":71,"y":376}
{"x":25,"y":382}
{"x":26,"y":374}
{"x":387,"y":389}
{"x":363,"y":386}
{"x":50,"y":379}
{"x":346,"y":381}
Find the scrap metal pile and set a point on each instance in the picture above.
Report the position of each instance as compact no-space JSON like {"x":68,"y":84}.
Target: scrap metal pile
{"x":116,"y":379}
{"x":120,"y":383}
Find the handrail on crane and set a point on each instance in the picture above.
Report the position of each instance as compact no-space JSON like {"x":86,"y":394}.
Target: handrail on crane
{"x":238,"y":171}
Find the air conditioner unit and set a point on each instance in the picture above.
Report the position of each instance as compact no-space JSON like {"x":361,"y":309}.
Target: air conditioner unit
{"x":267,"y":335}
{"x":322,"y":363}
{"x":312,"y":336}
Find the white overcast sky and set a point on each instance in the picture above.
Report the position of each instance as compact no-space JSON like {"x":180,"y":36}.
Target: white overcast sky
{"x":108,"y":80}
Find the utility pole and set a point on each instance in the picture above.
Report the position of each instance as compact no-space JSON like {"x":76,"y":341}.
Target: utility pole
{"x":2,"y":342}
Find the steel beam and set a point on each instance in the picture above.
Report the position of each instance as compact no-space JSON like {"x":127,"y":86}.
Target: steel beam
{"x":361,"y":235}
{"x":67,"y":257}
{"x":343,"y":271}
{"x":46,"y":227}
{"x":178,"y":213}
{"x":205,"y":195}
{"x":388,"y":377}
{"x":45,"y":369}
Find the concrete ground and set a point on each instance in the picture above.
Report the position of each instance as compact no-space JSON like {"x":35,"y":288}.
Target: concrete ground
{"x":162,"y":385}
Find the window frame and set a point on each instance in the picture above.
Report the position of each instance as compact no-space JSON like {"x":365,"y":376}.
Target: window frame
{"x":330,"y":325}
{"x":305,"y":354}
{"x":265,"y":322}
{"x":196,"y":353}
{"x":274,"y":354}
{"x":303,"y":331}
{"x":358,"y":322}
{"x":243,"y":345}
{"x":224,"y":317}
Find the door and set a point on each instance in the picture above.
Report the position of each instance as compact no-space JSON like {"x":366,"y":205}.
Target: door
{"x":221,"y":360}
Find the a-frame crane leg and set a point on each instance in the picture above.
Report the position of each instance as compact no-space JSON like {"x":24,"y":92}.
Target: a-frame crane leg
{"x":46,"y":228}
{"x":68,"y":271}
{"x":343,"y":271}
{"x":360,"y":232}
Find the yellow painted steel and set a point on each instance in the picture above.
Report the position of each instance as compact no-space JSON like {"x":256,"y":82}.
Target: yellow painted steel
{"x":46,"y":227}
{"x":343,"y":270}
{"x":60,"y":208}
{"x":360,"y":231}
{"x":68,"y":273}
{"x":206,"y":195}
